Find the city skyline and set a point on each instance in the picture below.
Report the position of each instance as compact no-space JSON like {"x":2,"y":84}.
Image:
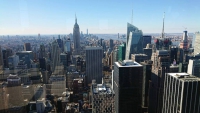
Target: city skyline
{"x":105,"y":17}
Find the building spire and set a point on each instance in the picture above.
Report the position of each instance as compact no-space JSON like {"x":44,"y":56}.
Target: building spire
{"x":163,"y":25}
{"x":132,"y":17}
{"x":75,"y":18}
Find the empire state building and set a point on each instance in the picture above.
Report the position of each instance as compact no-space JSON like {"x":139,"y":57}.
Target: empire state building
{"x":76,"y":36}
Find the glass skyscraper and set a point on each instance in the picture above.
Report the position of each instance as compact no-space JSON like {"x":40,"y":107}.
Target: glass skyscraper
{"x":134,"y":40}
{"x":121,"y":52}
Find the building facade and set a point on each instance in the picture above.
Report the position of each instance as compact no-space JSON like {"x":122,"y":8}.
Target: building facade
{"x":94,"y":56}
{"x":13,"y":61}
{"x":146,"y":40}
{"x":57,"y":85}
{"x":111,"y":44}
{"x":148,"y":50}
{"x":26,"y":56}
{"x":147,"y":66}
{"x":127,"y":85}
{"x":194,"y":67}
{"x":67,"y":46}
{"x":197,"y":43}
{"x":27,"y":47}
{"x":55,"y":55}
{"x":160,"y":66}
{"x":139,"y":57}
{"x":102,"y":98}
{"x":42,"y":51}
{"x":181,"y":93}
{"x":121,"y":52}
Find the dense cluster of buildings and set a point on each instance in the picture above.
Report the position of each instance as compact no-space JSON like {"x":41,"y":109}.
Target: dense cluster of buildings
{"x":80,"y":73}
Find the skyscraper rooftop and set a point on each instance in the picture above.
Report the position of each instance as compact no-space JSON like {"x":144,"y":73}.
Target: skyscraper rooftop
{"x":184,"y":76}
{"x":128,"y":63}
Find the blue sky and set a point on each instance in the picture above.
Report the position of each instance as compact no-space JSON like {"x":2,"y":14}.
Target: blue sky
{"x":99,"y":16}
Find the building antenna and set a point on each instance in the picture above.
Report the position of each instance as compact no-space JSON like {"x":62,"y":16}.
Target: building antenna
{"x":75,"y":18}
{"x":185,"y":28}
{"x":163,"y":25}
{"x":132,"y":17}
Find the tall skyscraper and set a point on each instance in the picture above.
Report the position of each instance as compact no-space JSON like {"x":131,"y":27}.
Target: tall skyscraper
{"x":6,"y":54}
{"x":118,"y":35}
{"x":94,"y":56}
{"x":55,"y":55}
{"x":67,"y":46}
{"x":87,"y":31}
{"x":147,"y":66}
{"x":148,"y":50}
{"x":163,"y":43}
{"x":1,"y":59}
{"x":111,"y":44}
{"x":42,"y":51}
{"x":181,"y":93}
{"x":160,"y":66}
{"x":127,"y":85}
{"x":76,"y":36}
{"x":184,"y":44}
{"x":194,"y":67}
{"x":146,"y":40}
{"x":134,"y":41}
{"x":64,"y":60}
{"x":27,"y":47}
{"x":197,"y":43}
{"x":60,"y":43}
{"x":122,"y":52}
{"x":173,"y":53}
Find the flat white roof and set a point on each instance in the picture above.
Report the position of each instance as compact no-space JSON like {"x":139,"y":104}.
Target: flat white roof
{"x":24,"y":52}
{"x":184,"y":76}
{"x":92,"y":47}
{"x":180,"y":74}
{"x":128,"y":63}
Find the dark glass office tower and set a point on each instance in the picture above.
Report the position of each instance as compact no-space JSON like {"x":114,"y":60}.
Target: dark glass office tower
{"x":173,"y":53}
{"x":127,"y":85}
{"x":146,"y":40}
{"x":111,"y":44}
{"x":27,"y":47}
